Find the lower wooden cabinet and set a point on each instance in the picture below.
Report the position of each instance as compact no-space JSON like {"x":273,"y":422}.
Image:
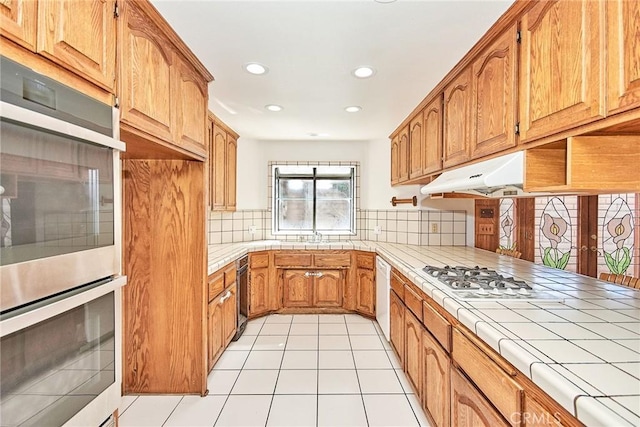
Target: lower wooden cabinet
{"x":469,"y":408}
{"x":222,"y":323}
{"x":312,"y":288}
{"x":436,"y":381}
{"x":365,"y":292}
{"x":297,"y":289}
{"x":396,"y":325}
{"x":328,"y":288}
{"x":413,"y":351}
{"x":215,"y":345}
{"x":536,"y":414}
{"x":258,"y":291}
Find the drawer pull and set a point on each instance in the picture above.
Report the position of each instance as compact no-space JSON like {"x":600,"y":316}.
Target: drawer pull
{"x":313,"y":274}
{"x":225,"y":297}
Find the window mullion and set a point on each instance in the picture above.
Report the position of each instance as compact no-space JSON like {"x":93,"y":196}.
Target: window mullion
{"x":314,"y":201}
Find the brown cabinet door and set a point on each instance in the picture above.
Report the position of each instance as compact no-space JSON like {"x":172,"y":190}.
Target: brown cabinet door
{"x":623,"y":60}
{"x":80,"y":35}
{"x":436,"y":375}
{"x":395,"y":160}
{"x":536,"y":414}
{"x":413,"y":351}
{"x":403,"y":155}
{"x":258,"y":291}
{"x":328,"y":288}
{"x":493,"y":89}
{"x":219,"y":161}
{"x":18,"y":20}
{"x":215,"y":343}
{"x":562,"y":66}
{"x":191,"y":117}
{"x":469,"y":408}
{"x":229,"y":314}
{"x":457,"y":120}
{"x":366,"y":292}
{"x":145,"y":81}
{"x":396,"y":325}
{"x":297,"y":288}
{"x":416,"y":138}
{"x":230,"y":176}
{"x":432,"y":139}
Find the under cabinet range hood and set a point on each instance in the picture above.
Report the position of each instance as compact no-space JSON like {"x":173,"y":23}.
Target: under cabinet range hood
{"x":498,"y":177}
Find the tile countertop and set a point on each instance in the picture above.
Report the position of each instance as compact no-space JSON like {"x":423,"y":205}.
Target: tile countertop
{"x":582,"y":346}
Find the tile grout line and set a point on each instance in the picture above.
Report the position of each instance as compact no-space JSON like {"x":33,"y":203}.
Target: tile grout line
{"x":275,"y":386}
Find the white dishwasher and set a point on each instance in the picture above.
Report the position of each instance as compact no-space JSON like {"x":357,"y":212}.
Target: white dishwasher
{"x":383,"y":287}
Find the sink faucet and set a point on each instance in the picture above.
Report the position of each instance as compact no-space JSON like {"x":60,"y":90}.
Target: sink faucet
{"x":316,"y":238}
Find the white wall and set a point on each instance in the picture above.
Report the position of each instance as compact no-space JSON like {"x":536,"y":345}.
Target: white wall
{"x":375,"y":171}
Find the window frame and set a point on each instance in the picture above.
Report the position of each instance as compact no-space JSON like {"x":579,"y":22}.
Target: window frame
{"x":275,"y":197}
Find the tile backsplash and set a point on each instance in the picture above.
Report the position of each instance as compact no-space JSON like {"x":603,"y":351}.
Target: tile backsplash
{"x":424,"y":228}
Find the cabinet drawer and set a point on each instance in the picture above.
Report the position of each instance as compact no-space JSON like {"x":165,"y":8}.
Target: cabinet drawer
{"x":332,"y":260}
{"x":230,"y":275}
{"x":292,"y":260}
{"x":366,"y":261}
{"x":397,"y":284}
{"x":489,"y":377}
{"x":258,"y":260}
{"x":216,"y":284}
{"x":439,"y":327}
{"x":413,"y":301}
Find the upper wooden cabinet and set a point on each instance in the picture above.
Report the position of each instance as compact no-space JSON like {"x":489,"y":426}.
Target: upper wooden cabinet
{"x":80,"y":35}
{"x":623,"y":32}
{"x":416,"y":145}
{"x":403,"y":155}
{"x":163,"y":87}
{"x":562,"y":66}
{"x":432,"y":137}
{"x":395,"y":160}
{"x":223,"y":153}
{"x":457,"y":120}
{"x":493,"y":89}
{"x":18,"y":19}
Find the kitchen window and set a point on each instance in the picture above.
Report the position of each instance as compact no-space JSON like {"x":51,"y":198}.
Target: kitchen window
{"x":314,"y":199}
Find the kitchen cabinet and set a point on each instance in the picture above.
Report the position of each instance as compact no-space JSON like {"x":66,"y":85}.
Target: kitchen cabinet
{"x":222,"y":165}
{"x":328,"y":288}
{"x":365,"y":291}
{"x":436,"y":381}
{"x":403,"y":155}
{"x":163,"y":87}
{"x":259,"y":286}
{"x":469,"y":408}
{"x":397,"y":325}
{"x":623,"y":69}
{"x":457,"y":120}
{"x":413,"y":351}
{"x":311,"y":288}
{"x":416,"y":144}
{"x":494,"y":96}
{"x":432,"y":138}
{"x":18,"y":20}
{"x":222,"y":312}
{"x":561,"y":67}
{"x":297,"y":288}
{"x":80,"y":35}
{"x":395,"y":160}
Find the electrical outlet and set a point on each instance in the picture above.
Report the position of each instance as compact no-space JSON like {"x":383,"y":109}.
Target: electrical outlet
{"x":377,"y":229}
{"x":434,"y":227}
{"x":252,"y":229}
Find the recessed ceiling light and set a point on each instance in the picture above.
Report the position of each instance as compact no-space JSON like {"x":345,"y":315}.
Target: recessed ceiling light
{"x":385,"y":1}
{"x":363,"y":72}
{"x":313,"y":134}
{"x":273,"y":107}
{"x":255,"y":68}
{"x":352,"y":109}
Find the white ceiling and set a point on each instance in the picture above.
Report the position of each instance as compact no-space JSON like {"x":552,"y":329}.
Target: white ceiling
{"x":311,"y":47}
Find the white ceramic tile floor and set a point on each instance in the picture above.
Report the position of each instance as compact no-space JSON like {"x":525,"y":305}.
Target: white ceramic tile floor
{"x":297,"y":378}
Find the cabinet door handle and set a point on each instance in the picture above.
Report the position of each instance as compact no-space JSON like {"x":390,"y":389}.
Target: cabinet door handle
{"x":225,"y":297}
{"x":313,"y":274}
